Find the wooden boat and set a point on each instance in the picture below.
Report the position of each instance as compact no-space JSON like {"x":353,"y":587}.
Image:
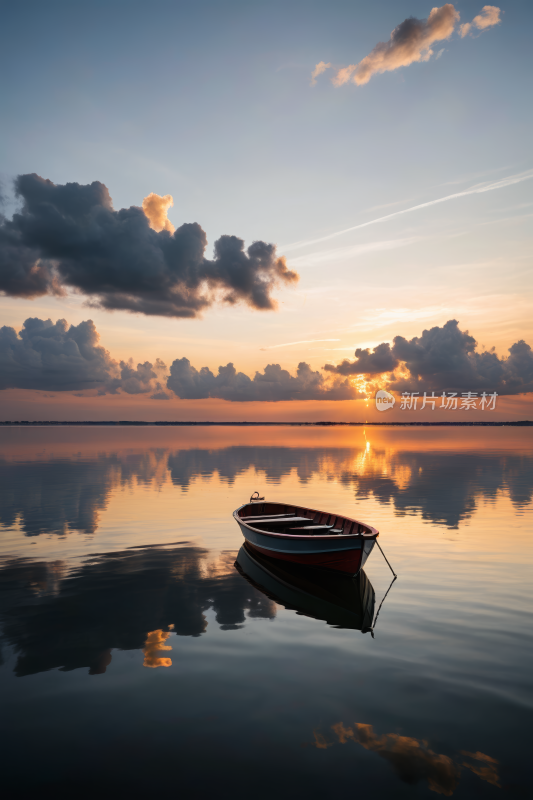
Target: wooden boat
{"x":343,"y":601}
{"x":305,"y":535}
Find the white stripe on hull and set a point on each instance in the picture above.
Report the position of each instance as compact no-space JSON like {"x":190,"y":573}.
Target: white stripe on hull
{"x":305,"y":545}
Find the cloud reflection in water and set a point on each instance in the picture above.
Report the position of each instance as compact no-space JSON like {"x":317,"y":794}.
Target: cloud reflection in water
{"x":135,"y":599}
{"x":412,"y":759}
{"x":129,"y":600}
{"x":58,"y":495}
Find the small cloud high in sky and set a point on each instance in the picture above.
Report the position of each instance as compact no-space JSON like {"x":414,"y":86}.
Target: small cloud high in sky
{"x":318,"y":70}
{"x":490,"y":15}
{"x":411,"y":41}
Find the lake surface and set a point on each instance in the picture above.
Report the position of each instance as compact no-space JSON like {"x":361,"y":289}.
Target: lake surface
{"x":136,"y":658}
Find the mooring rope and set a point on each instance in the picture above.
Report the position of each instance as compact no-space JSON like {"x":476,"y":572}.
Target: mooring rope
{"x":386,"y":593}
{"x":379,"y":609}
{"x":386,"y":559}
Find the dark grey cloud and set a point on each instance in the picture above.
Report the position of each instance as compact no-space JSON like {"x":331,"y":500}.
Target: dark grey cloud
{"x":57,"y":356}
{"x":49,"y":356}
{"x":70,"y":237}
{"x":445,"y":360}
{"x":271,"y":385}
{"x":159,"y":394}
{"x":380,"y":360}
{"x":136,"y":380}
{"x":54,"y":356}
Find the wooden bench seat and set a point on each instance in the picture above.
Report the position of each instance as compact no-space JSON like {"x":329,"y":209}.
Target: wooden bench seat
{"x":281,"y":521}
{"x":266,"y":517}
{"x":313,"y":528}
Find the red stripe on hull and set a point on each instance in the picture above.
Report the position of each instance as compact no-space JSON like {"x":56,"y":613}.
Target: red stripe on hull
{"x":341,"y":561}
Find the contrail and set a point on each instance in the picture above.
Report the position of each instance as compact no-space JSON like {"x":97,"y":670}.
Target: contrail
{"x":489,"y":187}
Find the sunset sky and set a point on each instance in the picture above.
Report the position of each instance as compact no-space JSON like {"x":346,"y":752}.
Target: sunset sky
{"x":383,"y":148}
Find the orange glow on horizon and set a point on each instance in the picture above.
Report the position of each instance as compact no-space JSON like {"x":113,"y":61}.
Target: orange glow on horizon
{"x":20,"y":404}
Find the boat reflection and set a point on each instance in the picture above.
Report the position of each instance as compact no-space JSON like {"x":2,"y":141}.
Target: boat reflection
{"x":340,"y":600}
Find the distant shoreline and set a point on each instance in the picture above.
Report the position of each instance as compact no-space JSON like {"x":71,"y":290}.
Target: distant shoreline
{"x":138,"y":423}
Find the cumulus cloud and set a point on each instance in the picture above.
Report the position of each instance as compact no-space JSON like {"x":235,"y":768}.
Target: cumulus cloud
{"x":409,"y":42}
{"x":447,"y":360}
{"x":50,"y":356}
{"x":380,"y":360}
{"x":138,"y":380}
{"x":54,"y":357}
{"x":318,"y":70}
{"x":156,"y":208}
{"x":47,"y":356}
{"x":490,"y":15}
{"x":70,"y":237}
{"x":271,"y":385}
{"x":159,"y":394}
{"x":444,"y":360}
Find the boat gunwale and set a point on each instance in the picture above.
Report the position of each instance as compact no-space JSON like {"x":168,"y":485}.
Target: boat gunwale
{"x":350,"y":536}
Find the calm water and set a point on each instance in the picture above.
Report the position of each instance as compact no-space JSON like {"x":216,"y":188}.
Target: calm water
{"x":137,"y":658}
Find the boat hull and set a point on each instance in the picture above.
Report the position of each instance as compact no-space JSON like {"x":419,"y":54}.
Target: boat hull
{"x":346,"y":554}
{"x":348,"y":561}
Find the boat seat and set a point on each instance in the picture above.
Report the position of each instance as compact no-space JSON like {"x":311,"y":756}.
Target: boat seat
{"x":280,"y":520}
{"x":313,"y":528}
{"x":267,"y":516}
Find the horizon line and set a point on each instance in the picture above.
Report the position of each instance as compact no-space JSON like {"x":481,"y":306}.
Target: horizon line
{"x":45,"y":423}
